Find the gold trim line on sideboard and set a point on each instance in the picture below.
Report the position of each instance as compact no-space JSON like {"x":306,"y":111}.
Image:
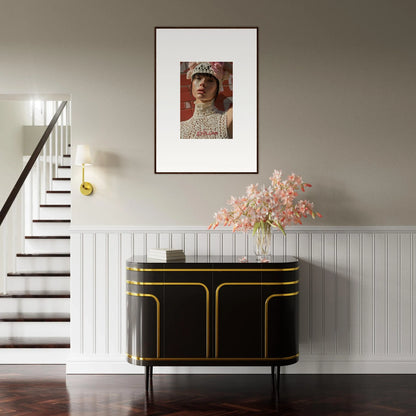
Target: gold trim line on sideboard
{"x":244,"y":284}
{"x":157,"y":315}
{"x":266,"y":317}
{"x":132,"y":282}
{"x":211,"y":359}
{"x":133,"y":269}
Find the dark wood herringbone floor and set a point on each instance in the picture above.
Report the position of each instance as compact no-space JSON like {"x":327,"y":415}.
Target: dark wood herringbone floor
{"x":46,"y":390}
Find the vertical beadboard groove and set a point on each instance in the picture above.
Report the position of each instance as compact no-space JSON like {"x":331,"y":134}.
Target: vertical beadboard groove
{"x":336,"y":291}
{"x":360,"y":277}
{"x":323,"y":290}
{"x":399,"y":286}
{"x":341,"y":271}
{"x":94,"y":287}
{"x":81,"y":294}
{"x":107,"y":314}
{"x":412,"y":286}
{"x":349,"y":290}
{"x":310,"y":293}
{"x":386,"y":245}
{"x":373,"y":344}
{"x":119,"y":277}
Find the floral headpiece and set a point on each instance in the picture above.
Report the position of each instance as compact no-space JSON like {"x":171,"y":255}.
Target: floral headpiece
{"x":216,"y":69}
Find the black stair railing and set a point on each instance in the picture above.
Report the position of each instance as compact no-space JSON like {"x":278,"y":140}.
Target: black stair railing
{"x":29,"y":165}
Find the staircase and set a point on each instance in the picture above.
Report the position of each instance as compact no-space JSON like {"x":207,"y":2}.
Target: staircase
{"x":35,"y":310}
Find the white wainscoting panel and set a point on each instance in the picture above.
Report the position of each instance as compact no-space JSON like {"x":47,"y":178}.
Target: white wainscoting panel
{"x":357,"y":294}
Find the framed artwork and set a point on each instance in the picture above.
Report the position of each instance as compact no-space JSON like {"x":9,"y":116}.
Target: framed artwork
{"x":206,"y":89}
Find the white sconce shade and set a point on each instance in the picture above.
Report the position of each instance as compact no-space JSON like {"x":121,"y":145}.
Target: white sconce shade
{"x":83,"y":155}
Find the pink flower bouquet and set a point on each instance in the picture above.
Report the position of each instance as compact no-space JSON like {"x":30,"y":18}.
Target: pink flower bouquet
{"x":271,"y":206}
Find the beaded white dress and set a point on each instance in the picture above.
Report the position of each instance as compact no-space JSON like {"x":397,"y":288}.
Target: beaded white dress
{"x":207,"y":122}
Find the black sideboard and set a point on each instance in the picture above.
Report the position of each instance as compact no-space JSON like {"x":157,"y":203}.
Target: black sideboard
{"x":212,"y":312}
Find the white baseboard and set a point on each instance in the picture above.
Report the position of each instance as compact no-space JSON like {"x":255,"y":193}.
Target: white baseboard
{"x":308,"y":365}
{"x":34,"y":355}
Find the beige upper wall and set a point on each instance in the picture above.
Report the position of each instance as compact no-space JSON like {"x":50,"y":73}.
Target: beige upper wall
{"x":336,"y":101}
{"x":12,"y":118}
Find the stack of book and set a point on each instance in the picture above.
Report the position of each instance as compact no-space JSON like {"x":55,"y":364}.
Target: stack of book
{"x":165,"y":254}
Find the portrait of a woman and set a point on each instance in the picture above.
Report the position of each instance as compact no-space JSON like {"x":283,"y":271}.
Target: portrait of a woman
{"x":207,"y":121}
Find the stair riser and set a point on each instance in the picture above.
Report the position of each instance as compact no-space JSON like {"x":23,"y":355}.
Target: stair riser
{"x":64,"y":173}
{"x":34,"y":329}
{"x":66,"y":161}
{"x":61,"y":185}
{"x":35,"y":305}
{"x":34,"y":356}
{"x":50,"y":228}
{"x":37,"y":283}
{"x":55,"y":213}
{"x":42,"y":264}
{"x":58,"y":199}
{"x":47,"y":246}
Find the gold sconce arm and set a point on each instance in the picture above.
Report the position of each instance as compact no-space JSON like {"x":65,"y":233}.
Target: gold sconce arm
{"x":86,"y":188}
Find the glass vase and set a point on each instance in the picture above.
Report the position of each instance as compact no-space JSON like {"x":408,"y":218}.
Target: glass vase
{"x":262,"y":243}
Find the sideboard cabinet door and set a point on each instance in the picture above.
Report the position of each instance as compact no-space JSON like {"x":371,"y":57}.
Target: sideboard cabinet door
{"x":144,"y":308}
{"x":237,"y":313}
{"x":186,"y":313}
{"x":281,"y":304}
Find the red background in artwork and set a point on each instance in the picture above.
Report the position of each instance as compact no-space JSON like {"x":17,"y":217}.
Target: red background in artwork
{"x":187,"y":100}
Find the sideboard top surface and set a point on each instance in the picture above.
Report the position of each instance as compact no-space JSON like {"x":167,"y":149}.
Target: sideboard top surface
{"x":211,"y":261}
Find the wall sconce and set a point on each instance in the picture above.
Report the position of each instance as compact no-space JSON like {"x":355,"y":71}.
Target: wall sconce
{"x":83,"y":158}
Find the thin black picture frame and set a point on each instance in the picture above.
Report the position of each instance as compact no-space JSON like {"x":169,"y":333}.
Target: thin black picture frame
{"x":254,"y":171}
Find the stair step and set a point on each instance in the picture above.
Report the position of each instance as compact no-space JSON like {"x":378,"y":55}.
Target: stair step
{"x":47,"y":237}
{"x":36,"y":294}
{"x":34,"y":317}
{"x":46,"y":342}
{"x":40,"y":274}
{"x":66,"y":155}
{"x":55,"y":205}
{"x":43,"y":255}
{"x":49,"y":220}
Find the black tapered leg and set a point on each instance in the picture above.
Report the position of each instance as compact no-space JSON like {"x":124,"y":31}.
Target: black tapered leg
{"x":273,"y":371}
{"x":278,"y":380}
{"x":147,"y":376}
